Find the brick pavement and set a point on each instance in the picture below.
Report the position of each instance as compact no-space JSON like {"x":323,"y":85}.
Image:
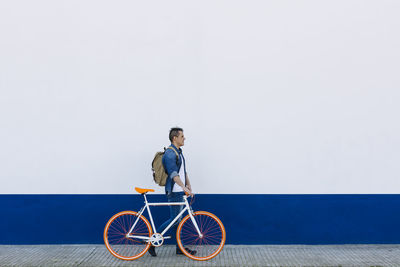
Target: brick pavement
{"x":232,"y":255}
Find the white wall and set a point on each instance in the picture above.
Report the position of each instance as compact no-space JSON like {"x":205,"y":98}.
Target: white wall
{"x":274,"y":96}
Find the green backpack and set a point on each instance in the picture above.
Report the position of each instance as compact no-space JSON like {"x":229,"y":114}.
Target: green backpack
{"x":159,"y":174}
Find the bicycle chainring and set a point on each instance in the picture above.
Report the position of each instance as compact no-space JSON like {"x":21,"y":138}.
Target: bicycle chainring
{"x":157,"y":239}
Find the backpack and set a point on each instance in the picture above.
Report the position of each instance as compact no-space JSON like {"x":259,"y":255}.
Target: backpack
{"x":159,"y":174}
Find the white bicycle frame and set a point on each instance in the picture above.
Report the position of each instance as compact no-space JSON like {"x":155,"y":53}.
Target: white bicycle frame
{"x":147,"y":206}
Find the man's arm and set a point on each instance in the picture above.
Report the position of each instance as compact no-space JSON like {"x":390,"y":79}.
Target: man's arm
{"x":178,"y":180}
{"x":172,"y":170}
{"x":170,"y":163}
{"x":187,"y":182}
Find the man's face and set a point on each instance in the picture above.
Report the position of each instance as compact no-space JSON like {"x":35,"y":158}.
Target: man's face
{"x":180,"y":139}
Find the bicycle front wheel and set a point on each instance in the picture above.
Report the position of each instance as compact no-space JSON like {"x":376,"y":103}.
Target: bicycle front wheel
{"x":213,"y":236}
{"x":116,"y":235}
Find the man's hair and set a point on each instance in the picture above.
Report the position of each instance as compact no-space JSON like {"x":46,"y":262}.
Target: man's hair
{"x":174,"y":132}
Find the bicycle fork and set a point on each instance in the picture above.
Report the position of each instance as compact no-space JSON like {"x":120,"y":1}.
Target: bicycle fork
{"x":191,"y":213}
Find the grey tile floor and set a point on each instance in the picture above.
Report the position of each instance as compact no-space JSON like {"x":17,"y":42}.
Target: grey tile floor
{"x":270,"y":255}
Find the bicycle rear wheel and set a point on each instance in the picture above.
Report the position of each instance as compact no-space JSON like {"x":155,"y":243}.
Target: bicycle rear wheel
{"x":115,"y":235}
{"x":206,"y":247}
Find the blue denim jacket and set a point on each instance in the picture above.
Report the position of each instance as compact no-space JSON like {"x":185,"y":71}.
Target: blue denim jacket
{"x":173,"y":167}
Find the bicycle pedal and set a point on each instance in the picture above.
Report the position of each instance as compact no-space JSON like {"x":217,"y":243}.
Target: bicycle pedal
{"x":167,"y":237}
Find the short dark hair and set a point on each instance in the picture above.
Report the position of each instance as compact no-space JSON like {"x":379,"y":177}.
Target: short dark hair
{"x":174,"y":132}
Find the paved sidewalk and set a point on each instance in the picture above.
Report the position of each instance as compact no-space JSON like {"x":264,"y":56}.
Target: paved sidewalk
{"x":271,"y":255}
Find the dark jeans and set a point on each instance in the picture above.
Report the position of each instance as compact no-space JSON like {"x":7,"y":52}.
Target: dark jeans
{"x":173,"y":211}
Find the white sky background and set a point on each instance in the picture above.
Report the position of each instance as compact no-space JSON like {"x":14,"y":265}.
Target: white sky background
{"x":276,"y":97}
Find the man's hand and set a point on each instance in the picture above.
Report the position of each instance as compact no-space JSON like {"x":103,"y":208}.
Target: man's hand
{"x":188,"y":191}
{"x":187,"y":183}
{"x":189,"y":187}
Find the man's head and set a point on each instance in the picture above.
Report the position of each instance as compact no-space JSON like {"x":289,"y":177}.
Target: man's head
{"x":176,"y":137}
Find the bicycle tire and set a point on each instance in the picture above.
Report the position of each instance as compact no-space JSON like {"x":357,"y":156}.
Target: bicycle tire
{"x":212,"y":242}
{"x":116,"y":241}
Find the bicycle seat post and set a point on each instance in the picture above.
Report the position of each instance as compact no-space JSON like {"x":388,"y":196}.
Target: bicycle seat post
{"x":145,"y":198}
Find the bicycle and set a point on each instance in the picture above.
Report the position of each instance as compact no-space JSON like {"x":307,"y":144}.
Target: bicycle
{"x":128,"y":234}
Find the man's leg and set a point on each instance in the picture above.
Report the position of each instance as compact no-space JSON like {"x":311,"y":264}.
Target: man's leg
{"x":178,"y":197}
{"x":173,"y":211}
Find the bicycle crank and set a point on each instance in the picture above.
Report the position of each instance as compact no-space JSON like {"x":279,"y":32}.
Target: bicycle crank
{"x":157,"y":239}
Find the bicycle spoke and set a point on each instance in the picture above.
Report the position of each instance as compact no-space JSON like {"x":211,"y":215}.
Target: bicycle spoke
{"x":212,"y":240}
{"x":116,"y":235}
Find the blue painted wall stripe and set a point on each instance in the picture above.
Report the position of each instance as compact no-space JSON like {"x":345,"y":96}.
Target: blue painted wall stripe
{"x":248,"y":219}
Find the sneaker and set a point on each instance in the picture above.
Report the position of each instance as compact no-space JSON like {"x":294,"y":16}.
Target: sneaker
{"x":152,"y":251}
{"x":179,"y":251}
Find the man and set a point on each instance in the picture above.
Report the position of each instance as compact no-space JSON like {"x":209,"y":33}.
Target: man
{"x":177,"y":183}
